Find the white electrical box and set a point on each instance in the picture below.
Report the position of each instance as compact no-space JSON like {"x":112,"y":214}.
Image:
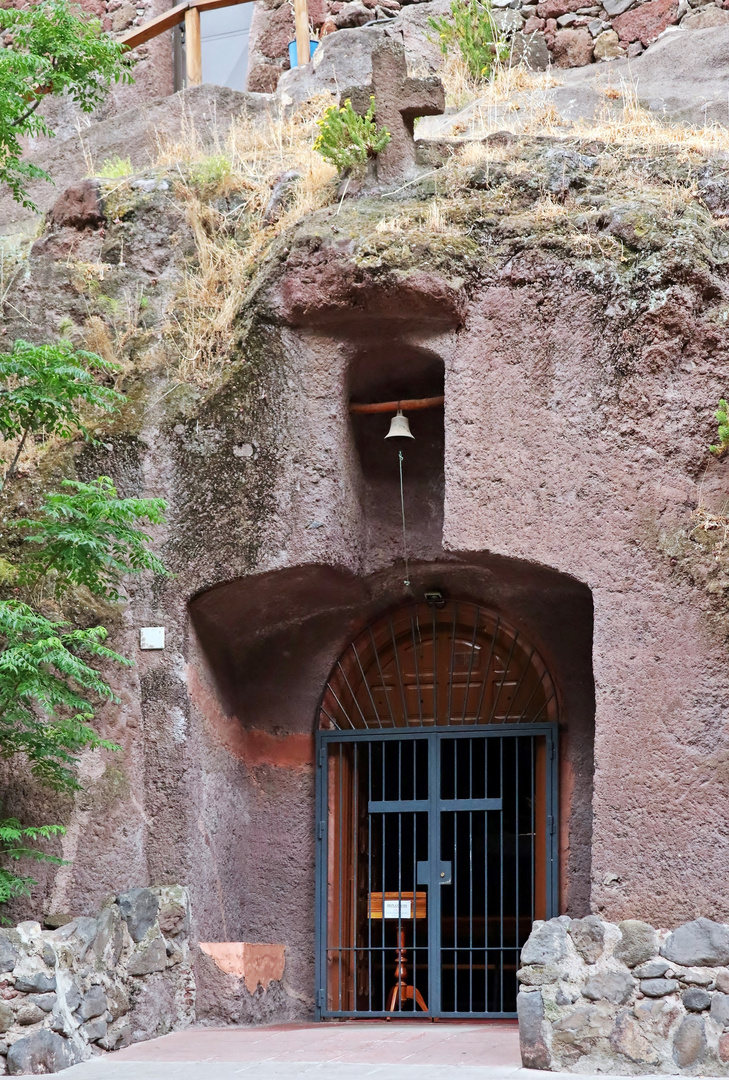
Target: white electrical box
{"x":152,"y":637}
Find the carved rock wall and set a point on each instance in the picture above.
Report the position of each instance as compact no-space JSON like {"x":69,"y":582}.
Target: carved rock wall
{"x":625,"y":998}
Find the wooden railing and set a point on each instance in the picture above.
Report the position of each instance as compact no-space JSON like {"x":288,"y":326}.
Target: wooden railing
{"x":189,"y":13}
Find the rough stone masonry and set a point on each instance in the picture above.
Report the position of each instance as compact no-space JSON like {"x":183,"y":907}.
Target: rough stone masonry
{"x":95,"y":984}
{"x":626,"y":998}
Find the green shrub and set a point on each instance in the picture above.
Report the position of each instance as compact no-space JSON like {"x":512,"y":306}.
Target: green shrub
{"x":116,"y":168}
{"x":470,"y":27}
{"x":347,"y":139}
{"x":722,"y":415}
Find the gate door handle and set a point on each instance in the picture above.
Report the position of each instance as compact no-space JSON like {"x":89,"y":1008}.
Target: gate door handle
{"x":445,"y":874}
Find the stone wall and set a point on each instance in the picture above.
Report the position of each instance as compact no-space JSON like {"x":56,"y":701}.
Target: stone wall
{"x":95,"y":984}
{"x":560,"y":33}
{"x":625,"y":998}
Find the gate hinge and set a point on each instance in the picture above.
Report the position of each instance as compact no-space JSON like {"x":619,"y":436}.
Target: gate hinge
{"x":321,"y":829}
{"x":320,"y":998}
{"x":552,"y":750}
{"x":323,"y":756}
{"x":551,"y":825}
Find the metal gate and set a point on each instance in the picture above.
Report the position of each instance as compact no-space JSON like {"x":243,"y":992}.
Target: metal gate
{"x":436,"y":847}
{"x":436,"y":855}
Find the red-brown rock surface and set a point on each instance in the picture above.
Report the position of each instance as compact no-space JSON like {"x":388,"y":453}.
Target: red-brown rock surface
{"x":646,"y":22}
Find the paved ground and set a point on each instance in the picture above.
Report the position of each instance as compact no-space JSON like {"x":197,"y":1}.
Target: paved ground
{"x":371,"y":1051}
{"x":391,"y":1051}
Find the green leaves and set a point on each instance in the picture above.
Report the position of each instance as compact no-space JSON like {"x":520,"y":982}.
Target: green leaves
{"x":49,"y":692}
{"x":14,"y":845}
{"x":722,"y":415}
{"x":87,"y":535}
{"x":53,"y":49}
{"x":347,"y":139}
{"x":43,"y":387}
{"x":470,"y":27}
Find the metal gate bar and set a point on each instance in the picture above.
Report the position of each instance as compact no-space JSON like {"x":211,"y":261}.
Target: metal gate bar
{"x":427,"y":880}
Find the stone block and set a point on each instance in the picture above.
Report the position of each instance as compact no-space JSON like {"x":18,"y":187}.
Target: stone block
{"x":607,"y":46}
{"x":702,"y":942}
{"x":724,"y":1047}
{"x":696,"y":999}
{"x":546,"y":945}
{"x":645,"y":22}
{"x":94,"y":1003}
{"x":109,"y":939}
{"x":139,"y":910}
{"x":6,"y":1017}
{"x":41,"y":1052}
{"x":654,"y":969}
{"x":46,"y":1002}
{"x":614,"y":986}
{"x":532,"y":1043}
{"x":27,"y":1015}
{"x":93,"y":1030}
{"x":722,"y":980}
{"x":588,"y":937}
{"x":656,"y":988}
{"x":37,"y":983}
{"x":8,"y":953}
{"x":572,"y":48}
{"x":630,"y":1039}
{"x":148,"y":957}
{"x":78,"y":207}
{"x":689,"y":1043}
{"x":720,"y":1009}
{"x":638,"y":942}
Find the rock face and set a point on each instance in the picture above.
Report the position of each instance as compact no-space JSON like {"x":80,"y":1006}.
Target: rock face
{"x":655,"y":1017}
{"x":67,"y":993}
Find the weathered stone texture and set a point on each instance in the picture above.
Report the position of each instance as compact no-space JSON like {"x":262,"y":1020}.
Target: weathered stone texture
{"x":53,"y":1020}
{"x":654,"y":1018}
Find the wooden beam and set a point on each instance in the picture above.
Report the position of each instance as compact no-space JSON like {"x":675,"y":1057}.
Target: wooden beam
{"x":213,"y":5}
{"x":154,"y":27}
{"x":407,"y":405}
{"x":301,"y":19}
{"x":193,"y":47}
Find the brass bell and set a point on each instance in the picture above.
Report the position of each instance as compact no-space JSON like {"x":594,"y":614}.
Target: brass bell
{"x":399,"y":426}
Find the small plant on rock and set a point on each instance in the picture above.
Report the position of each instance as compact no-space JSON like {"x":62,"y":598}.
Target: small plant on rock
{"x":722,"y":415}
{"x":470,"y":27}
{"x":349,"y":140}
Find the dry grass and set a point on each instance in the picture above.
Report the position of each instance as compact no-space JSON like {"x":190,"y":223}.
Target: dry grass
{"x":708,"y":521}
{"x":244,"y":164}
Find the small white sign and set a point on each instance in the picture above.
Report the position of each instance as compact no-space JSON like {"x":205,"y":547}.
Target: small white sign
{"x":398,"y":909}
{"x":152,"y":637}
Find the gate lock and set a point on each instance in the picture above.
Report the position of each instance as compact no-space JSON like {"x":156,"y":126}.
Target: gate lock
{"x":444,"y":873}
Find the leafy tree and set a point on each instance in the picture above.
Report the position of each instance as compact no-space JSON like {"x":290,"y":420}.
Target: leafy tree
{"x":50,"y":48}
{"x":87,"y":535}
{"x":14,"y":841}
{"x":49,"y":692}
{"x":42,"y":388}
{"x":471,"y":29}
{"x":347,"y":139}
{"x":722,"y":416}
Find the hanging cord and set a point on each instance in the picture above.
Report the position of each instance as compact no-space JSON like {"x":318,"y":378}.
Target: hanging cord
{"x":404,"y":538}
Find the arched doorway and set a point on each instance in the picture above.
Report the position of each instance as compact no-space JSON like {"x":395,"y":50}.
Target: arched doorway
{"x":436,"y":806}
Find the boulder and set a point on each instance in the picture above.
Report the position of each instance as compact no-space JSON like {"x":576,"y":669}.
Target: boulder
{"x":613,"y":986}
{"x":638,"y":942}
{"x":696,"y":999}
{"x":138,"y":908}
{"x":572,"y":48}
{"x":702,"y":942}
{"x":78,"y":207}
{"x":683,"y":76}
{"x":534,"y":1050}
{"x":545,"y":945}
{"x":149,"y":957}
{"x":720,"y":1009}
{"x":654,"y":969}
{"x":658,"y":987}
{"x":630,"y":1039}
{"x":6,"y":1017}
{"x":93,"y":1003}
{"x":109,"y":938}
{"x":37,"y":983}
{"x":722,"y":980}
{"x":93,"y":1030}
{"x":708,"y":16}
{"x":689,"y":1043}
{"x":607,"y":46}
{"x":8,"y":953}
{"x":588,"y":934}
{"x":41,"y":1052}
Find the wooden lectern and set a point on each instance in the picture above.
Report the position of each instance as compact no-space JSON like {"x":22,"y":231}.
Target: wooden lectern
{"x":404,"y":907}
